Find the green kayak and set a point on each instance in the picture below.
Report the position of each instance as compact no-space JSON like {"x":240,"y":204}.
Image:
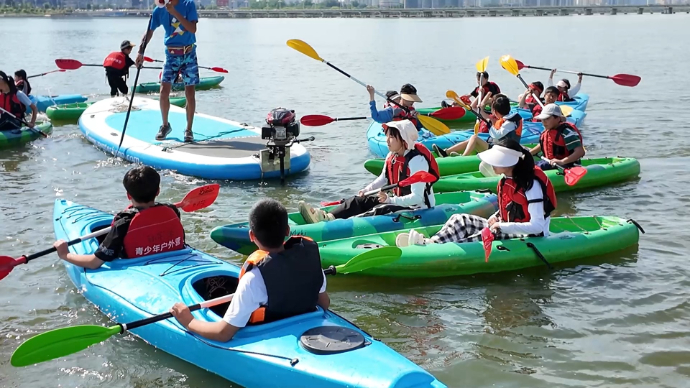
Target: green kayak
{"x":15,"y":137}
{"x":71,"y":112}
{"x":204,"y":83}
{"x":600,"y":172}
{"x":570,"y":239}
{"x":236,"y":236}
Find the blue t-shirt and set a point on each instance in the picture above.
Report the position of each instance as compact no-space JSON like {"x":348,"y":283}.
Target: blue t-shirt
{"x":175,"y":34}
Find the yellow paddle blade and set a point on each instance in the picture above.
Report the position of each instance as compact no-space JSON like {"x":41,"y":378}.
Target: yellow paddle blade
{"x":566,"y":110}
{"x":481,"y":65}
{"x":476,"y":127}
{"x":508,"y":63}
{"x":434,"y":126}
{"x":304,"y":48}
{"x":454,"y":96}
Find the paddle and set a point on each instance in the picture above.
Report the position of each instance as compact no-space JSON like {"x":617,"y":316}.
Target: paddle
{"x":572,"y":174}
{"x":508,"y":63}
{"x":433,"y":125}
{"x":452,"y":113}
{"x":47,"y":72}
{"x":25,"y":123}
{"x":144,"y":43}
{"x":481,"y":68}
{"x":418,"y":177}
{"x":73,"y":64}
{"x":487,"y":239}
{"x":199,"y":198}
{"x":62,"y":342}
{"x":216,"y":69}
{"x":454,"y":96}
{"x":621,"y":79}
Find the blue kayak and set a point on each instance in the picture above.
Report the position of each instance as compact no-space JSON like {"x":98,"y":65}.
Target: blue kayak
{"x":222,"y":149}
{"x":43,"y":102}
{"x":276,"y":354}
{"x":530,"y":134}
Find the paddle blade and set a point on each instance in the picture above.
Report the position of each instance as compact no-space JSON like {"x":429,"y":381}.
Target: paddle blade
{"x":452,"y":113}
{"x":199,"y":198}
{"x":520,"y":65}
{"x":434,"y":126}
{"x":566,"y":110}
{"x":323,"y":203}
{"x":508,"y":63}
{"x":219,"y":70}
{"x":626,"y":79}
{"x":316,"y":120}
{"x":60,"y":343}
{"x":149,"y":59}
{"x":418,"y":177}
{"x":7,"y":264}
{"x":370,"y":259}
{"x":304,"y":48}
{"x":487,"y":239}
{"x":68,"y":64}
{"x":573,"y":175}
{"x":481,"y":65}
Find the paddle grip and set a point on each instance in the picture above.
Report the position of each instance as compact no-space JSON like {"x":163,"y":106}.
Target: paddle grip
{"x":330,"y":270}
{"x":350,"y":118}
{"x":344,"y":73}
{"x":384,"y":188}
{"x":561,"y":169}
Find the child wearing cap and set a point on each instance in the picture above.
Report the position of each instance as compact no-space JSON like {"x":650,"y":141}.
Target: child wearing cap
{"x":391,"y":95}
{"x":505,"y":126}
{"x":406,"y":157}
{"x":566,"y":92}
{"x":561,"y":142}
{"x":526,"y":199}
{"x":392,"y":112}
{"x":117,"y":66}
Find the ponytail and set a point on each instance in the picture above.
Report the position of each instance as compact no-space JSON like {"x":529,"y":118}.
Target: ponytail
{"x":523,"y":171}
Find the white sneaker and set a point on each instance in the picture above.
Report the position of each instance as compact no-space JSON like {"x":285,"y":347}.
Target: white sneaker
{"x":415,"y":238}
{"x":402,"y":240}
{"x":310,"y":215}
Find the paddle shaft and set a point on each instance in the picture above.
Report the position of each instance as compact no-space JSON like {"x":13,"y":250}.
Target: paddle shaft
{"x":536,"y":98}
{"x":24,"y":122}
{"x":42,"y":74}
{"x":160,"y":61}
{"x":570,"y":72}
{"x":144,"y":42}
{"x":44,"y":252}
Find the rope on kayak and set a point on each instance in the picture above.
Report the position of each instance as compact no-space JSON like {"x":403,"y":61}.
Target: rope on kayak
{"x":585,"y":231}
{"x":293,"y":361}
{"x":79,"y":211}
{"x":192,"y":259}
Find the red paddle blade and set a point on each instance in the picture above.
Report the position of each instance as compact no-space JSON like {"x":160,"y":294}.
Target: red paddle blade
{"x":452,"y":113}
{"x":520,"y":65}
{"x":573,"y":175}
{"x":626,"y":79}
{"x":487,"y":239}
{"x":316,"y":120}
{"x":148,"y":59}
{"x":68,"y":64}
{"x":7,"y":264}
{"x":199,"y":198}
{"x":330,"y":203}
{"x":419,"y":176}
{"x":219,"y":70}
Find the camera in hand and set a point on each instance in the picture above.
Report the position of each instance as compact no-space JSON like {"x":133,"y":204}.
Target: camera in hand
{"x":282,"y":126}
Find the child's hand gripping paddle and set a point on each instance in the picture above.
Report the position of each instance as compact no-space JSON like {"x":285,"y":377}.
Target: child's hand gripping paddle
{"x":418,"y":177}
{"x":572,"y":174}
{"x":197,"y":199}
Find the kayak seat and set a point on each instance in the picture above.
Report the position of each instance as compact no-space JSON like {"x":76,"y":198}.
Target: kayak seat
{"x":215,"y":287}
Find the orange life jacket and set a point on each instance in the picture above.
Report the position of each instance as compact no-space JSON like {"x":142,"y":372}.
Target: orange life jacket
{"x":116,"y":60}
{"x":292,"y":277}
{"x":553,"y":143}
{"x":397,"y":168}
{"x":513,"y":204}
{"x":515,"y":118}
{"x":156,"y":229}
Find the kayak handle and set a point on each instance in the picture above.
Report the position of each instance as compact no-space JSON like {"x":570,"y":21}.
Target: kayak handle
{"x":541,"y":257}
{"x":413,"y":218}
{"x":636,"y":224}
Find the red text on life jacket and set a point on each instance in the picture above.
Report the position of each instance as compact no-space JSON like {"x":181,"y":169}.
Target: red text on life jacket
{"x":116,"y":60}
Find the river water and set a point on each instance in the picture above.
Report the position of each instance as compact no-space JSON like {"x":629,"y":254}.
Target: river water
{"x":618,"y":320}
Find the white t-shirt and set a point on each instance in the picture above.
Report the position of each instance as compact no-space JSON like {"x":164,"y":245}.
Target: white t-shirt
{"x":24,"y":99}
{"x":249,"y":296}
{"x":537,"y":223}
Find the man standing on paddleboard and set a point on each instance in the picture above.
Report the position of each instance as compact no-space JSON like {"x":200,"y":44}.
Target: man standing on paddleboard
{"x":179,"y":19}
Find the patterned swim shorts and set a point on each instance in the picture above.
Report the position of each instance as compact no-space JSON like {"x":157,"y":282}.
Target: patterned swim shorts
{"x":185,"y":64}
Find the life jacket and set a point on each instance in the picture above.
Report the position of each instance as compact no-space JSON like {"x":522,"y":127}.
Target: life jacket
{"x":513,"y":204}
{"x":402,"y":114}
{"x":397,"y":169}
{"x":116,"y":60}
{"x":156,"y":229}
{"x":12,"y":104}
{"x":293,"y":279}
{"x":554,"y":138}
{"x":483,"y":127}
{"x":489,"y":87}
{"x":21,"y":84}
{"x":563,"y":96}
{"x":536,"y":111}
{"x":515,"y":118}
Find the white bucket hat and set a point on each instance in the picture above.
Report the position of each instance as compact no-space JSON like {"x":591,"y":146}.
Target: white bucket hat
{"x":500,"y":156}
{"x":407,"y":130}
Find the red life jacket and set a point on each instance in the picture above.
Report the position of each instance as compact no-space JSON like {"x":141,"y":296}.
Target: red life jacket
{"x":563,"y":96}
{"x":12,"y":104}
{"x":401,"y":114}
{"x":156,"y":229}
{"x":116,"y":60}
{"x":553,"y":143}
{"x":397,"y":169}
{"x":483,"y":127}
{"x":293,"y":279}
{"x":536,"y":111}
{"x":513,"y":204}
{"x":489,"y":87}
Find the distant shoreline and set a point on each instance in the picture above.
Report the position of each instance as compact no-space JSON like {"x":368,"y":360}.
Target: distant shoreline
{"x":412,"y":13}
